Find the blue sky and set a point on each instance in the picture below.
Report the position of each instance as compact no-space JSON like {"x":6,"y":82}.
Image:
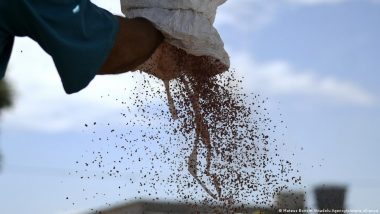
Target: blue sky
{"x":316,"y":61}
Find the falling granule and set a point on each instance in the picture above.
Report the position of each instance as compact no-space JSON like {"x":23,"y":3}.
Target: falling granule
{"x":212,"y":139}
{"x":229,"y":143}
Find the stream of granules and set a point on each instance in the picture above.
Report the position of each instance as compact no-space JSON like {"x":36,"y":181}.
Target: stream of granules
{"x":215,"y":145}
{"x":227,"y":140}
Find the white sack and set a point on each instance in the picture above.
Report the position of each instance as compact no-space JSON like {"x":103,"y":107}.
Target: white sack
{"x":186,"y":24}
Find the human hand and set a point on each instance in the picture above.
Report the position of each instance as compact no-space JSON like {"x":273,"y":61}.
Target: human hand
{"x":135,"y":42}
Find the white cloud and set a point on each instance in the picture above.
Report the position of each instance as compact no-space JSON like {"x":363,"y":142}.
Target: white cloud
{"x":253,"y":15}
{"x":280,"y":78}
{"x":110,"y":5}
{"x":42,"y":105}
{"x":40,"y":101}
{"x":246,"y":15}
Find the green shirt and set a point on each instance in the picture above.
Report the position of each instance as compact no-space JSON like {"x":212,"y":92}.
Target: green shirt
{"x":76,"y":33}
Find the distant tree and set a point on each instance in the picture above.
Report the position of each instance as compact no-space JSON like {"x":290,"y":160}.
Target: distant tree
{"x":6,"y":98}
{"x":5,"y":95}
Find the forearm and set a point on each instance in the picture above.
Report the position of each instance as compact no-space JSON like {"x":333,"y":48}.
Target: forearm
{"x":135,"y":42}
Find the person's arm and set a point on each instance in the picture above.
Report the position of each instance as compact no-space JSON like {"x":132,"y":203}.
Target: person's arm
{"x":135,"y":42}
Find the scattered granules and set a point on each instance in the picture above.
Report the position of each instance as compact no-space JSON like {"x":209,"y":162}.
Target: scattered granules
{"x":228,"y":137}
{"x":211,"y":145}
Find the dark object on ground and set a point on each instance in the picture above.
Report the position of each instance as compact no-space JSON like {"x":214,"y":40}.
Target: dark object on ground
{"x":330,"y":197}
{"x":141,"y":207}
